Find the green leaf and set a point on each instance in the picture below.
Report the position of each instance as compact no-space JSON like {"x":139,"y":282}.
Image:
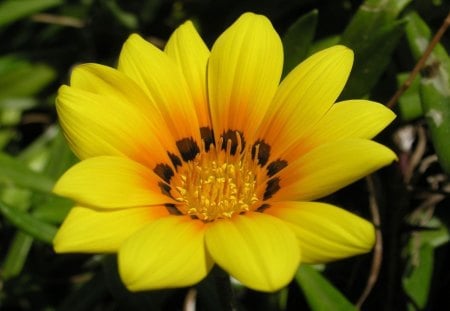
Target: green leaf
{"x":13,"y":10}
{"x":372,"y":16}
{"x":297,"y":40}
{"x":410,"y":105}
{"x":418,"y":35}
{"x":14,"y":172}
{"x":17,"y":255}
{"x":418,"y":274}
{"x":319,"y":292}
{"x":373,"y":33}
{"x":19,"y":78}
{"x":126,"y":19}
{"x":417,"y":282}
{"x":18,"y":103}
{"x":60,"y":157}
{"x":436,"y":237}
{"x":53,"y":209}
{"x":324,"y":43}
{"x":38,"y":146}
{"x":29,"y":224}
{"x":435,"y":94}
{"x":10,"y":117}
{"x":434,"y":86}
{"x":5,"y":136}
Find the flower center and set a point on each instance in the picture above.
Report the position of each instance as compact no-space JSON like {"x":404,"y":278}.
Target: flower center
{"x":217,"y":183}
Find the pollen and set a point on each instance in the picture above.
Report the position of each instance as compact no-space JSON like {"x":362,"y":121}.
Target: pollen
{"x":219,"y":182}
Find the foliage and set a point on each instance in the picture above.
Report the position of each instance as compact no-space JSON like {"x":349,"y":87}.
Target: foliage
{"x":42,"y":40}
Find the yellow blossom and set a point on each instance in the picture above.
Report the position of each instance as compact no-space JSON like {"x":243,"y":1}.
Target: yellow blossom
{"x":191,"y":158}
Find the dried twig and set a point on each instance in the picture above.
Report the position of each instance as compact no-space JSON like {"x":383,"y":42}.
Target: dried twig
{"x":437,"y":37}
{"x":378,"y":249}
{"x":190,"y":300}
{"x":416,"y":155}
{"x":58,"y":20}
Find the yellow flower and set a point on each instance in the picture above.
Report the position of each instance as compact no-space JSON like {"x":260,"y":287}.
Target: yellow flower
{"x":191,"y":158}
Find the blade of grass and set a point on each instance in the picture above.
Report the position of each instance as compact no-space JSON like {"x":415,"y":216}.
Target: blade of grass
{"x":17,"y":255}
{"x":15,"y":172}
{"x":13,"y":10}
{"x":297,"y":40}
{"x":319,"y":292}
{"x":29,"y":224}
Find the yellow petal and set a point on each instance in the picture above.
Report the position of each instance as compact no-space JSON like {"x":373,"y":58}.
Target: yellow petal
{"x":330,"y":167}
{"x":258,"y":250}
{"x":157,"y":74}
{"x":243,"y":74}
{"x":169,"y":252}
{"x":111,"y":182}
{"x":325,"y":232}
{"x":354,"y":119}
{"x":305,"y":95}
{"x":348,"y":119}
{"x":97,"y":125}
{"x":187,"y":49}
{"x":109,"y":82}
{"x":93,"y":231}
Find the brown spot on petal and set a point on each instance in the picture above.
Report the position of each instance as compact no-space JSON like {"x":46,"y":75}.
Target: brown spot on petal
{"x":207,"y":135}
{"x":165,"y":189}
{"x":262,"y":208}
{"x":172,"y":209}
{"x":272,"y":187}
{"x":232,"y":135}
{"x":188,"y":148}
{"x":176,"y":161}
{"x":164,"y":171}
{"x":276,"y":166}
{"x":263,"y":150}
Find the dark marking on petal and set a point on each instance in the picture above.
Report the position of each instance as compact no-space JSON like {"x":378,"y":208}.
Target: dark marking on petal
{"x":176,"y":161}
{"x":165,"y":188}
{"x":231,"y":135}
{"x":188,"y":148}
{"x":262,"y":208}
{"x":263,"y":152}
{"x":164,"y":171}
{"x":276,"y":166}
{"x":273,"y":185}
{"x":194,"y":217}
{"x":207,"y":135}
{"x":172,"y":209}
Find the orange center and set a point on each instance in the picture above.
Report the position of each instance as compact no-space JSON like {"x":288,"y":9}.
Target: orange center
{"x":217,"y":183}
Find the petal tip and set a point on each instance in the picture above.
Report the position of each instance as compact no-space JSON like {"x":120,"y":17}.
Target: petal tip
{"x":58,"y":247}
{"x":391,"y":156}
{"x":251,"y":17}
{"x":346,"y":52}
{"x":61,"y":244}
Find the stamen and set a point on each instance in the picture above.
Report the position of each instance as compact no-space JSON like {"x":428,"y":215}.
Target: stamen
{"x":263,"y":152}
{"x":215,"y":180}
{"x":219,"y":182}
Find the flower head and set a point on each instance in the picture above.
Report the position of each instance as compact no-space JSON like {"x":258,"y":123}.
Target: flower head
{"x":191,"y":158}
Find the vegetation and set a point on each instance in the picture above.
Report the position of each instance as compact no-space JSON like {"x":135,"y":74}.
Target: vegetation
{"x":42,"y":39}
